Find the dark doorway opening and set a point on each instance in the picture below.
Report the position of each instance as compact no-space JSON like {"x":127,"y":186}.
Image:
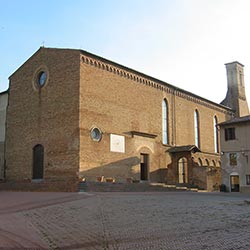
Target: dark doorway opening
{"x":144,"y":167}
{"x":182,"y":170}
{"x":235,"y":183}
{"x":38,"y":158}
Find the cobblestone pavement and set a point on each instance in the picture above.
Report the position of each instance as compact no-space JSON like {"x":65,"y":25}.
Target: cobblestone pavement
{"x":171,"y":220}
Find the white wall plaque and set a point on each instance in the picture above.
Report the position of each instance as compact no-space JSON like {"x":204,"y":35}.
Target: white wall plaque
{"x":117,"y":143}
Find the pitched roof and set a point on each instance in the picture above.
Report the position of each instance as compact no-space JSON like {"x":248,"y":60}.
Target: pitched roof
{"x":243,"y":119}
{"x":186,"y":148}
{"x":174,"y":88}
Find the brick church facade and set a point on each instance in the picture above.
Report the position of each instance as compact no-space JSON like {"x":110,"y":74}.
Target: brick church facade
{"x":72,"y":115}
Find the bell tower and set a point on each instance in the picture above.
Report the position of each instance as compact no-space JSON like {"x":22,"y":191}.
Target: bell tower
{"x":236,"y":97}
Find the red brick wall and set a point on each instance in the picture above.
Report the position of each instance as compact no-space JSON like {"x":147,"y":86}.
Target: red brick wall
{"x":49,"y":116}
{"x":84,"y":91}
{"x":118,"y":100}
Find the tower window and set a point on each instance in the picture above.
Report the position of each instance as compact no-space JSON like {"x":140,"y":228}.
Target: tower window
{"x":241,"y":79}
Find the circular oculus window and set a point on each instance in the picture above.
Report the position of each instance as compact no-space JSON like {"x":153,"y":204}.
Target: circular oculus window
{"x":96,"y":134}
{"x":42,"y":78}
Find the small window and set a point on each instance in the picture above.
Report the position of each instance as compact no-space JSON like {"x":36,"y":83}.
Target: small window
{"x":233,"y":159}
{"x":42,"y":78}
{"x":96,"y":134}
{"x":229,"y":134}
{"x":248,"y":179}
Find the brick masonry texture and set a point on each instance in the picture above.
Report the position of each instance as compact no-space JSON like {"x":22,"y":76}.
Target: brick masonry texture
{"x":117,"y":104}
{"x":85,"y":91}
{"x":47,"y":116}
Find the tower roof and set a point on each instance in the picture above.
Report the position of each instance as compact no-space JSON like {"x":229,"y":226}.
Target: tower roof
{"x":234,"y":62}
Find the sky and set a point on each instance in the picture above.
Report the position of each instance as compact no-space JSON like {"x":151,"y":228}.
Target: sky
{"x":182,"y":42}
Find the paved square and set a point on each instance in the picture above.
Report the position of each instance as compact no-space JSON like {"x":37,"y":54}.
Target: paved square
{"x":156,"y":220}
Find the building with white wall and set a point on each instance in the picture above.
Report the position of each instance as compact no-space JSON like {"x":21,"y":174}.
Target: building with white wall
{"x":235,"y":154}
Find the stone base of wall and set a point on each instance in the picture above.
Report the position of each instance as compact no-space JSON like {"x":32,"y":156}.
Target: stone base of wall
{"x":40,"y":186}
{"x":245,"y":189}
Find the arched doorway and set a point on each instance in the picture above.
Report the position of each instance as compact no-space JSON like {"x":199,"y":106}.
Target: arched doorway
{"x":234,"y":182}
{"x":144,"y":167}
{"x":38,"y":158}
{"x":182,"y":170}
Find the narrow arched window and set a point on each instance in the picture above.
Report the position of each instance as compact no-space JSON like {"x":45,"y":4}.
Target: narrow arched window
{"x":196,"y":128}
{"x":200,"y":162}
{"x":214,"y":163}
{"x":216,"y":136}
{"x":207,"y":162}
{"x":164,"y":122}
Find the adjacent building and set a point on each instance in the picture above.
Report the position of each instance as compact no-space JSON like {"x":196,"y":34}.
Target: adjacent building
{"x":235,"y":151}
{"x":72,"y":115}
{"x":3,"y":107}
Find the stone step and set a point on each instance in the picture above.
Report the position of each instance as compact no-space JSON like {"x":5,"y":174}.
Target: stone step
{"x":39,"y":186}
{"x":130,"y":187}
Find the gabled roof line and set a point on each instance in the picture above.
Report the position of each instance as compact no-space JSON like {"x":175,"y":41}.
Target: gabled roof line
{"x":86,"y":53}
{"x":165,"y":84}
{"x":236,"y":120}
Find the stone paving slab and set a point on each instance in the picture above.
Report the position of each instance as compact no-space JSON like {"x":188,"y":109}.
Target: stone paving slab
{"x":155,"y":220}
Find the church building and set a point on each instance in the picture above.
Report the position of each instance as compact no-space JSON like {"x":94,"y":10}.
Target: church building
{"x":73,"y":115}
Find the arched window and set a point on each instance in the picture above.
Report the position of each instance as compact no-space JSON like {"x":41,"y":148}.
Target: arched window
{"x":214,"y":163}
{"x":182,"y":170}
{"x":38,"y":157}
{"x":216,"y":143}
{"x":196,"y":128}
{"x":200,"y":162}
{"x":207,"y":162}
{"x":165,"y":122}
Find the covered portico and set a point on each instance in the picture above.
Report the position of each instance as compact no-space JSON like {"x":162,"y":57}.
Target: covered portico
{"x":191,"y":167}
